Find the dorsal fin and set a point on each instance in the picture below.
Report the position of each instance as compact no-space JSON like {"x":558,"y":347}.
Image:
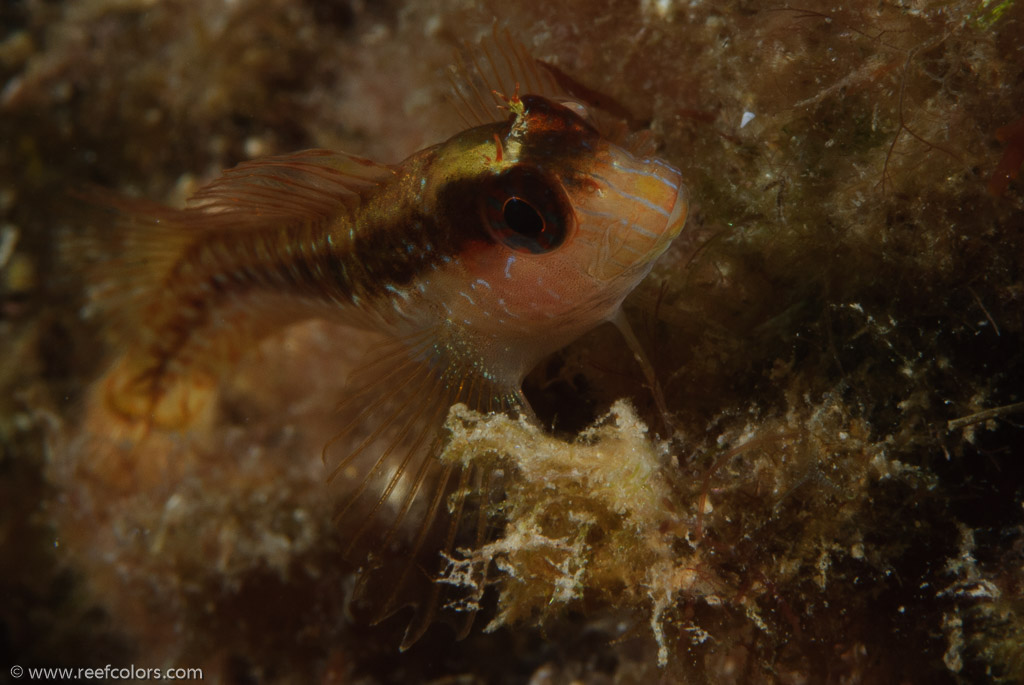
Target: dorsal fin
{"x":591,"y":97}
{"x":308,"y":184}
{"x":486,"y":74}
{"x":131,"y":254}
{"x":495,"y":67}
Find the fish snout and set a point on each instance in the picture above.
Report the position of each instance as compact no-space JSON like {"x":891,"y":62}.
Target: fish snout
{"x":640,"y":208}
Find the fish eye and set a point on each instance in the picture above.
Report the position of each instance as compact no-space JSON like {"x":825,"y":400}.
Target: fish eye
{"x":525,"y":211}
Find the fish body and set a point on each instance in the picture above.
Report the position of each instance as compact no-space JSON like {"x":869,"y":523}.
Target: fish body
{"x":421,"y":248}
{"x":476,"y":257}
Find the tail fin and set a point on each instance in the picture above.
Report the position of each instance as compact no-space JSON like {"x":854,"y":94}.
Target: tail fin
{"x":124,"y":254}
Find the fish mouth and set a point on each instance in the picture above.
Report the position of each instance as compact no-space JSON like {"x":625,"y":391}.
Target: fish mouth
{"x":658,"y":190}
{"x":641,"y":209}
{"x":677,"y":215}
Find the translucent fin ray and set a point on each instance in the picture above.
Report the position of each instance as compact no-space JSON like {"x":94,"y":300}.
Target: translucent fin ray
{"x":304,"y":185}
{"x":500,"y":65}
{"x":401,"y":509}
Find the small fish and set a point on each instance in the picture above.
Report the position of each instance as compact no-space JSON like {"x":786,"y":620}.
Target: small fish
{"x":476,"y":257}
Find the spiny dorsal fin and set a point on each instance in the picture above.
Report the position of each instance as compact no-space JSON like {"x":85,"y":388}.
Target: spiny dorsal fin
{"x":486,"y":74}
{"x":497,"y":67}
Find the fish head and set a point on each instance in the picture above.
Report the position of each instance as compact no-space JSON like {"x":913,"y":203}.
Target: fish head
{"x":555,"y":224}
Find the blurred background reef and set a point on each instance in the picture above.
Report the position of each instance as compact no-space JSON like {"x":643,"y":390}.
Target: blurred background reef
{"x":839,"y":333}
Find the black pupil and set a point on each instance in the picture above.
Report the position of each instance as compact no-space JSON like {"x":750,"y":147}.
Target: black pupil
{"x":521,"y":217}
{"x":525,"y":210}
